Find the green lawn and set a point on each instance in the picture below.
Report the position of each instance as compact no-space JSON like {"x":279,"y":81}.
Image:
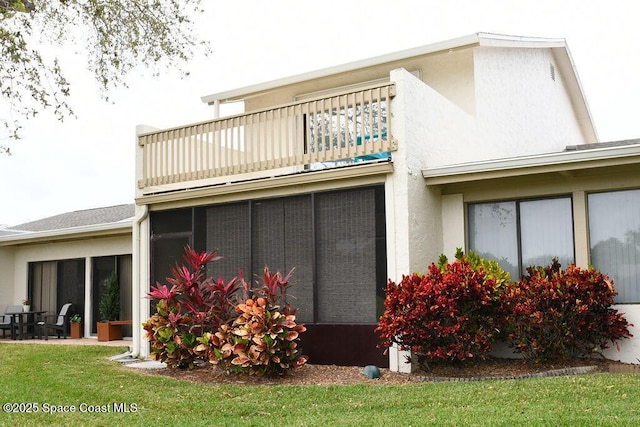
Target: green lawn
{"x":46,"y":377}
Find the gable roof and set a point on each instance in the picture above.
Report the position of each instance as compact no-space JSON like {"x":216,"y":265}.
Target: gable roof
{"x":558,"y":47}
{"x":98,"y":221}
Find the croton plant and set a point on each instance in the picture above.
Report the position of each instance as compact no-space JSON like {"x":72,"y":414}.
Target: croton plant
{"x":245,"y":330}
{"x":457,"y":311}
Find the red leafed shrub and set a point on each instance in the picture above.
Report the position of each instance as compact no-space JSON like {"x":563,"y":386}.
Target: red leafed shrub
{"x":193,"y":305}
{"x":553,"y":313}
{"x":446,"y":315}
{"x":199,"y":318}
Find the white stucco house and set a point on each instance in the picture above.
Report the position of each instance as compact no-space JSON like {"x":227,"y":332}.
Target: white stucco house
{"x":370,"y":170}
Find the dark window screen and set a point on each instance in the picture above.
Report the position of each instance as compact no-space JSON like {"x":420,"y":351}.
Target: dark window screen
{"x":346,"y":255}
{"x":336,"y":239}
{"x":228,"y":232}
{"x":167,"y":252}
{"x":174,"y":221}
{"x":282,"y":239}
{"x":71,"y":284}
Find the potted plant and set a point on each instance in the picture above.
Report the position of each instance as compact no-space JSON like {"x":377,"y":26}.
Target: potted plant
{"x":110,"y":310}
{"x":76,"y":326}
{"x":26,"y":304}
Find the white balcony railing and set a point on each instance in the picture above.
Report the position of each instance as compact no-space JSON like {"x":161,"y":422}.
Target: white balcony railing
{"x":343,"y":127}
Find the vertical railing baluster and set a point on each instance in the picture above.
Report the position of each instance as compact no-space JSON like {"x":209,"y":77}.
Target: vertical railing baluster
{"x":371,"y":126}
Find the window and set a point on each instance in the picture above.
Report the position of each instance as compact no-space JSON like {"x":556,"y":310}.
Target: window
{"x":519,"y":234}
{"x":614,"y":233}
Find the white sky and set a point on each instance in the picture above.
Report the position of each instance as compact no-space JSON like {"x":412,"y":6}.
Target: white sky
{"x":89,"y":161}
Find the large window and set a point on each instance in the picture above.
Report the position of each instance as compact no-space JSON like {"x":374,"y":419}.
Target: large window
{"x":522,"y":233}
{"x":614,"y":233}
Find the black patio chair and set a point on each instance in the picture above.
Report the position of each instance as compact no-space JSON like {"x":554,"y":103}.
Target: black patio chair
{"x":6,"y":321}
{"x":61,"y":325}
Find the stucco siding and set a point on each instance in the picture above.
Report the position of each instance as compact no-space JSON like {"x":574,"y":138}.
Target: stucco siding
{"x":453,"y":235}
{"x":522,"y":104}
{"x":436,"y":131}
{"x":627,"y":350}
{"x":417,"y":208}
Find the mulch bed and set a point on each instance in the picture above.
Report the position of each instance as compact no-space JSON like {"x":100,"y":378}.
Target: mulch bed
{"x":330,"y":374}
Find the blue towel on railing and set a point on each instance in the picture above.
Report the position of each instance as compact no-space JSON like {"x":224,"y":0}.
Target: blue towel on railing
{"x":375,"y":156}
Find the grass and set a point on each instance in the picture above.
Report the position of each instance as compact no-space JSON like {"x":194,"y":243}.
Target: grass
{"x":50,"y":376}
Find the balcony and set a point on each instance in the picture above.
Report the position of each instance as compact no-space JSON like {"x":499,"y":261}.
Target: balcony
{"x":337,"y":130}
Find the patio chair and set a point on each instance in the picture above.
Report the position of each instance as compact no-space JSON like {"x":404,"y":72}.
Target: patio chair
{"x":5,"y":321}
{"x":61,"y":324}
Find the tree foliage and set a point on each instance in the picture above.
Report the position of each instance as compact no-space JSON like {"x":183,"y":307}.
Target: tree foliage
{"x":115,"y":35}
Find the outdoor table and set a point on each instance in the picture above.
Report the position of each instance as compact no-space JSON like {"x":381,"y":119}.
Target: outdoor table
{"x":26,"y":318}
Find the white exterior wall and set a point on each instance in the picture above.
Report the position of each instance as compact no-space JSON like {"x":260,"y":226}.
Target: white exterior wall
{"x":416,"y":226}
{"x":423,"y":122}
{"x":7,"y":280}
{"x":451,"y":74}
{"x":627,"y":350}
{"x":438,"y":132}
{"x":453,"y":235}
{"x":520,"y":109}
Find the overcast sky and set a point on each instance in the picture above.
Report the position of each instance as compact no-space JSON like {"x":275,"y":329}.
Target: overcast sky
{"x":88,"y":162}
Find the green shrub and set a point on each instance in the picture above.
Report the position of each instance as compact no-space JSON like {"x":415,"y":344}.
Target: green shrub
{"x":109,"y":306}
{"x":491,"y":268}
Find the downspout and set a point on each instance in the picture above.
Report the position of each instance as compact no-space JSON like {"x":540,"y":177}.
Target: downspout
{"x":138,"y":261}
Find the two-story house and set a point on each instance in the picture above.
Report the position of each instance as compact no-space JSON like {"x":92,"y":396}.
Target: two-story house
{"x":369,"y":170}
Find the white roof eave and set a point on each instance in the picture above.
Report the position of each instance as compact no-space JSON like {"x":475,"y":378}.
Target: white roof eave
{"x":96,"y":230}
{"x":483,"y":39}
{"x":566,"y":160}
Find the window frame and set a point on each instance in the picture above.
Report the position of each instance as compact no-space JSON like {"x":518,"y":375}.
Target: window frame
{"x":588,"y":235}
{"x":521,"y":267}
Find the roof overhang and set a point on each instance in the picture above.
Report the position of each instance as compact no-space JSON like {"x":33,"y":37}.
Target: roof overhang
{"x":75,"y":233}
{"x":563,"y":162}
{"x":253,"y":90}
{"x":477,"y":39}
{"x":557,"y":45}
